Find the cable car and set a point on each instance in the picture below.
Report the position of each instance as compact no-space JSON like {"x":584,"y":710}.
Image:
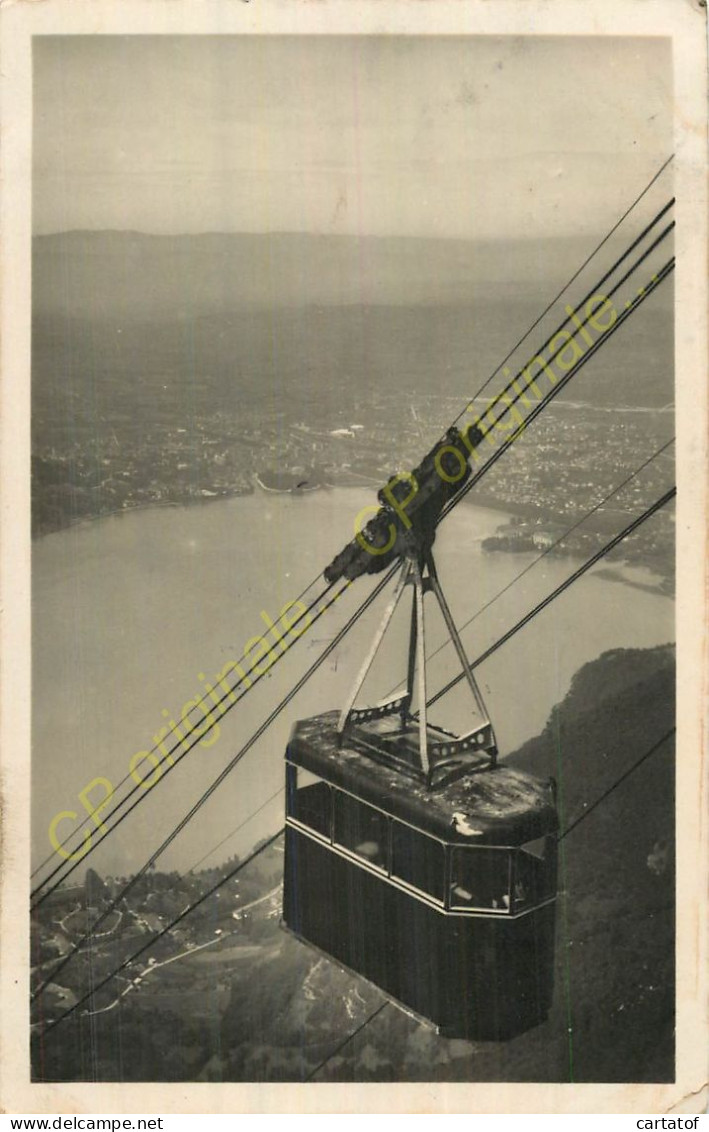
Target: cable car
{"x":444,"y":898}
{"x":413,"y":858}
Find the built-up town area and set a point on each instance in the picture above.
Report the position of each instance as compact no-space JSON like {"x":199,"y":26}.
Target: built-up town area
{"x":564,"y":464}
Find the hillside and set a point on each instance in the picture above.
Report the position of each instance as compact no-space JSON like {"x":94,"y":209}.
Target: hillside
{"x":261,"y":1007}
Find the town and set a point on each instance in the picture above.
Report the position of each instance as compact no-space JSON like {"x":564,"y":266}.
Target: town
{"x":560,"y":467}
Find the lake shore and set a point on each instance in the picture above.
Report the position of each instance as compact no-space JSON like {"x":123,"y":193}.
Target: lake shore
{"x":618,"y":572}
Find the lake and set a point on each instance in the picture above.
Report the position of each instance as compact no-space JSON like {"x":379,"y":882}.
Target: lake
{"x":128,"y":611}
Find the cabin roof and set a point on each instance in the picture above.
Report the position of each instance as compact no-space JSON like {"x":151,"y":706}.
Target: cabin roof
{"x":499,"y":806}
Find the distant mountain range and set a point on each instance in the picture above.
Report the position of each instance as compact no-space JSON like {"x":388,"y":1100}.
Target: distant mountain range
{"x":226,"y":319}
{"x":138,"y":277}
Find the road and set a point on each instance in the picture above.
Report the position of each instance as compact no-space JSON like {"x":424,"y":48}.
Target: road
{"x":154,"y":966}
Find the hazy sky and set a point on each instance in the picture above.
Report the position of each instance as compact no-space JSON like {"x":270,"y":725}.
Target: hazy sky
{"x":433,"y":136}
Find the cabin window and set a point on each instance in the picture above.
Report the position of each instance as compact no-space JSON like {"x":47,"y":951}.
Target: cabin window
{"x":481,"y":879}
{"x":535,"y":872}
{"x":418,"y":860}
{"x":362,"y":830}
{"x":309,"y":800}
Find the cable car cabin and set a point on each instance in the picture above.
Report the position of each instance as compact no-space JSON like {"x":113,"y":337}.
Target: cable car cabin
{"x":441,"y":892}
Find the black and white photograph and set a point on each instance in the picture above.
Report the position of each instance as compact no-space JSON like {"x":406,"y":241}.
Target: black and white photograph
{"x":356,"y":557}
